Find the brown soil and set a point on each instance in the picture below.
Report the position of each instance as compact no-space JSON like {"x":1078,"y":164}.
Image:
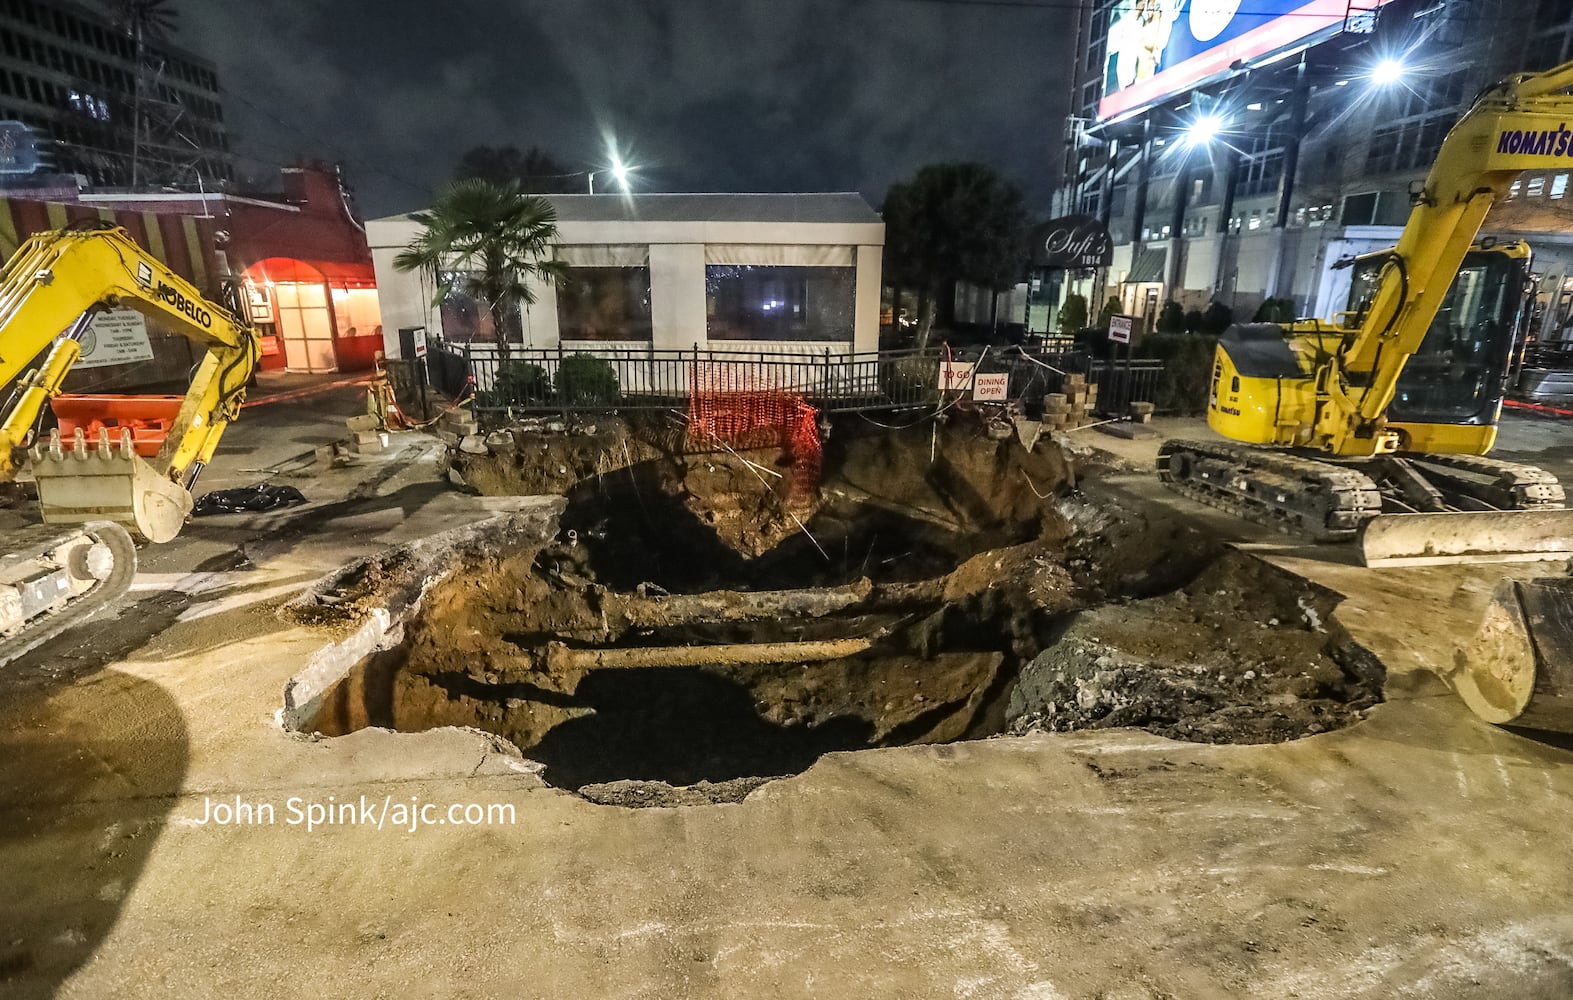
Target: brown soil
{"x":1243,"y":654}
{"x":984,"y":594}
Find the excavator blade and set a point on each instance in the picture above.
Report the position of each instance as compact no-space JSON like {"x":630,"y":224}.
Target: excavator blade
{"x":1467,"y":536}
{"x":54,"y":577}
{"x":1518,"y":668}
{"x":107,"y":483}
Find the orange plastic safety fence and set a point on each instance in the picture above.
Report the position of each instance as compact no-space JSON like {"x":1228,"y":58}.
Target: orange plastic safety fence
{"x":733,"y":404}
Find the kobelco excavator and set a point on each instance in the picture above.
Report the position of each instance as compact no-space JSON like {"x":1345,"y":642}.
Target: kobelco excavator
{"x":98,"y":496}
{"x":1376,"y":426}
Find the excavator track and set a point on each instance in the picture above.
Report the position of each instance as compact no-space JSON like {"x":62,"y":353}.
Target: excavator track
{"x":1299,"y":496}
{"x":104,"y":564}
{"x":1499,"y":485}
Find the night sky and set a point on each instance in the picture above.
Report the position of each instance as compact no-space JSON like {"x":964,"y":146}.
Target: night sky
{"x":701,"y":95}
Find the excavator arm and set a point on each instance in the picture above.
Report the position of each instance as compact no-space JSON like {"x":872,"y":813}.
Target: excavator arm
{"x":90,"y":492}
{"x":1524,"y":123}
{"x":50,"y":291}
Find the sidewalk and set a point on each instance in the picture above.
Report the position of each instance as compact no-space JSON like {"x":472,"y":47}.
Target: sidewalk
{"x":277,"y":386}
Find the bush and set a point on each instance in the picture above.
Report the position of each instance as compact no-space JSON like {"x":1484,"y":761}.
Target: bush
{"x":1073,"y":313}
{"x":1193,"y":320}
{"x":1187,"y":370}
{"x":521,"y":382}
{"x":1216,"y":319}
{"x":1275,"y":311}
{"x":1111,"y":308}
{"x":1171,"y":318}
{"x":586,"y":380}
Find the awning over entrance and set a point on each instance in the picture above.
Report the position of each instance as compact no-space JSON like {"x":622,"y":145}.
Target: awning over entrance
{"x":1147,"y":265}
{"x":340,"y":274}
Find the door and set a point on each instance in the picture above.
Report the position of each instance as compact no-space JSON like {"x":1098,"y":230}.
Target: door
{"x":305,"y":326}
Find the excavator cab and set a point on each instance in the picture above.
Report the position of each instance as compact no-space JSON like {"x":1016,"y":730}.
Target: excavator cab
{"x":1450,"y":393}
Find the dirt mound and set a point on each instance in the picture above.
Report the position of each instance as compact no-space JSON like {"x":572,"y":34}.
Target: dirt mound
{"x":1241,"y":655}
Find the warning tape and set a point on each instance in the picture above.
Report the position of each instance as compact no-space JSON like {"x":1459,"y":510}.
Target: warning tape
{"x":1553,"y":411}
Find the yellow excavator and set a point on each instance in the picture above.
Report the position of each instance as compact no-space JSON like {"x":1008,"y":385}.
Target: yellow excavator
{"x":1376,"y":426}
{"x":97,"y":495}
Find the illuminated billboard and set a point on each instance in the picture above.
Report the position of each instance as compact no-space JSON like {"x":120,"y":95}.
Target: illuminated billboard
{"x":1161,"y":47}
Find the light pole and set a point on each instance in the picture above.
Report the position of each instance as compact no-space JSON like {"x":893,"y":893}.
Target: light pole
{"x":618,"y":170}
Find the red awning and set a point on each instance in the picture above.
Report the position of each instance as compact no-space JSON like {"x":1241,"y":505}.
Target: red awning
{"x":340,"y":274}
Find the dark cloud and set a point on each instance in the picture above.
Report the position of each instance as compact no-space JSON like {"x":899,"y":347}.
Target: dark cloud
{"x":724,"y":95}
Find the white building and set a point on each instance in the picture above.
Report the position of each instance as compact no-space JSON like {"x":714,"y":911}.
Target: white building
{"x":779,"y":273}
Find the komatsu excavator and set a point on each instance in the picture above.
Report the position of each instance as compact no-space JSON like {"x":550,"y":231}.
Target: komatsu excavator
{"x":97,"y":494}
{"x":1376,"y":425}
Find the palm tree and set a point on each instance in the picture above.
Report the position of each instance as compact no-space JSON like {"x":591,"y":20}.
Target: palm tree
{"x":141,"y":20}
{"x":486,"y":240}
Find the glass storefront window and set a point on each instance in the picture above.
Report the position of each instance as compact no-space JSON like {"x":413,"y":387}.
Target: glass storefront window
{"x":762,"y":302}
{"x":467,"y":320}
{"x":604,"y":303}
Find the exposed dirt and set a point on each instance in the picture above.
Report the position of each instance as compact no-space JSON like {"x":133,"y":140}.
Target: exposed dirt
{"x":1242,"y":654}
{"x":689,"y":634}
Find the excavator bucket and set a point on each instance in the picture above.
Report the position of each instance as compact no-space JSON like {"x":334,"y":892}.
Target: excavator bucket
{"x":1518,"y":669}
{"x":1467,"y":536}
{"x":107,"y":482}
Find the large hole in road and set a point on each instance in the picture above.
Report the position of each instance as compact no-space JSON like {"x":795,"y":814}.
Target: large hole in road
{"x":686,"y":636}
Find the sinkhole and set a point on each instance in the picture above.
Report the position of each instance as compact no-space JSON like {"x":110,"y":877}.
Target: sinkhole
{"x":679,"y":636}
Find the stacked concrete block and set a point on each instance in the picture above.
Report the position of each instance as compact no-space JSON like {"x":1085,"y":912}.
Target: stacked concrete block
{"x":1071,"y":408}
{"x":1141,"y":412}
{"x":366,"y":434}
{"x":458,"y":422}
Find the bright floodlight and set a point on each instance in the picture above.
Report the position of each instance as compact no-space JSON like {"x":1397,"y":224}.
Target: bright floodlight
{"x":1203,"y":130}
{"x":1387,"y":71}
{"x":620,"y":171}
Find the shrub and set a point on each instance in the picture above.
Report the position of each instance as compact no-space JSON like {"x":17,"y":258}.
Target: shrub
{"x":1193,"y":320}
{"x":586,"y":380}
{"x":1187,"y":370}
{"x":1171,"y":318}
{"x":521,"y":382}
{"x":1275,"y":311}
{"x":1073,"y":313}
{"x":1216,"y":319}
{"x":1111,"y":308}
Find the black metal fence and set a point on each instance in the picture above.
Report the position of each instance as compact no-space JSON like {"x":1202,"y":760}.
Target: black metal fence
{"x":565,"y":381}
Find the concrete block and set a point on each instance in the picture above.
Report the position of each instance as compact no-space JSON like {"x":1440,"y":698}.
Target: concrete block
{"x":1142,"y":409}
{"x":362,"y":423}
{"x":368,"y":442}
{"x":473,"y":444}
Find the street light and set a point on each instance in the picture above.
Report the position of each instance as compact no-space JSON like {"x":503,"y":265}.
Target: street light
{"x":1388,"y":71}
{"x":1203,"y":129}
{"x":618,"y":170}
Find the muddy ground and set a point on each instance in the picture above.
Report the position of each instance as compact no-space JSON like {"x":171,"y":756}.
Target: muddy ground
{"x":696,"y":626}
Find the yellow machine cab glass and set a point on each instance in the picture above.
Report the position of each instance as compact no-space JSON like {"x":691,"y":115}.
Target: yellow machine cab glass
{"x":1457,"y":376}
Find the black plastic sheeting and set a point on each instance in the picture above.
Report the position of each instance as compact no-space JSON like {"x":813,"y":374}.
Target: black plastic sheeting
{"x":247,"y":499}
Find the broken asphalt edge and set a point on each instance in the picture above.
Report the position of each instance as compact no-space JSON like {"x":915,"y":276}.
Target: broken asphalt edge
{"x":410,"y":570}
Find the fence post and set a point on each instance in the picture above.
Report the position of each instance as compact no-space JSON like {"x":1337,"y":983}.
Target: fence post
{"x":562,"y":384}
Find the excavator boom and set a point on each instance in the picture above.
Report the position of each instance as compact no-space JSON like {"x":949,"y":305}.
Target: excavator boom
{"x":50,"y":291}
